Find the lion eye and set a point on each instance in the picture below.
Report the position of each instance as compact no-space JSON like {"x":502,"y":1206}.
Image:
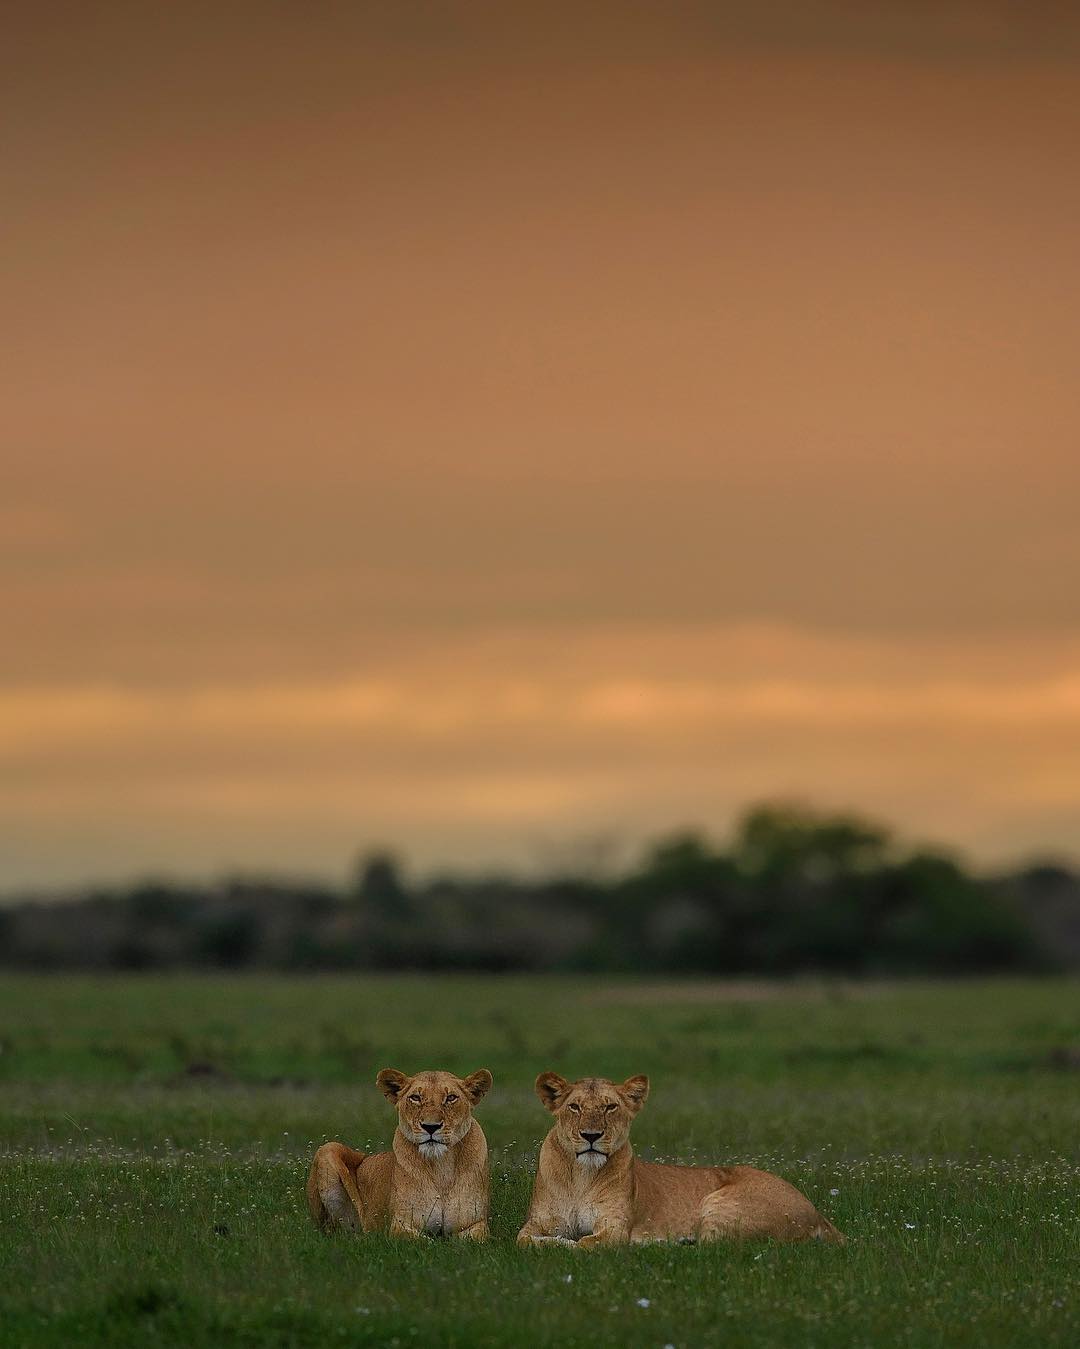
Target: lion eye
{"x":575,"y":1107}
{"x":450,"y":1099}
{"x":610,"y":1106}
{"x":415,"y":1100}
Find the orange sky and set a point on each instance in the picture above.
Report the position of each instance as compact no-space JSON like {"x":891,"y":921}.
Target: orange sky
{"x":477,"y":427}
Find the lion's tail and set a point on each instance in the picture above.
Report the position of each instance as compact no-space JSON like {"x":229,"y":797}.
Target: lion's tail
{"x":825,"y":1231}
{"x":332,"y":1196}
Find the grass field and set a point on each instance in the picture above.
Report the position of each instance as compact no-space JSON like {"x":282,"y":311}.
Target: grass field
{"x":155,"y":1135}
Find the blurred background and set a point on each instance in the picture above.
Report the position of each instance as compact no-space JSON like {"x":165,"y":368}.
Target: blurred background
{"x":541,"y":487}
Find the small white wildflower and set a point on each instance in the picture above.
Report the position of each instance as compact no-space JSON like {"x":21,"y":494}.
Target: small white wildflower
{"x":910,"y":1227}
{"x":568,"y":1278}
{"x":834,"y":1191}
{"x":363,"y":1311}
{"x":643,"y":1302}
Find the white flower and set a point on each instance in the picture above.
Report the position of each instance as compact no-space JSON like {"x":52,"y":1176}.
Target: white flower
{"x":910,"y":1227}
{"x":568,"y":1278}
{"x":834,"y":1191}
{"x":643,"y":1302}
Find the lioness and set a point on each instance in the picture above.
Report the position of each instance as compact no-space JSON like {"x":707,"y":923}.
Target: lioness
{"x":591,"y":1190}
{"x":435,"y":1178}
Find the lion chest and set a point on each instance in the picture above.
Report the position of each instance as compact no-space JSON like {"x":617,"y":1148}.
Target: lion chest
{"x":433,"y":1200}
{"x":579,"y":1221}
{"x":430,"y":1212}
{"x":435,"y":1219}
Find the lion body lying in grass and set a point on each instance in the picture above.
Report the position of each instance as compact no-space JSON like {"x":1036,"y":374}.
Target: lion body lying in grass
{"x":433,"y":1181}
{"x":591,"y":1190}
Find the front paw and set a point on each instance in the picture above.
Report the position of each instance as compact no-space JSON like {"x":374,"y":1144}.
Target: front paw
{"x":608,"y":1236}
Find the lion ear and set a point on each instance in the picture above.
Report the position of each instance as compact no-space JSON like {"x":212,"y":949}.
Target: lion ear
{"x":636,"y":1091}
{"x":551,"y":1088}
{"x":477,"y":1085}
{"x":390,"y":1082}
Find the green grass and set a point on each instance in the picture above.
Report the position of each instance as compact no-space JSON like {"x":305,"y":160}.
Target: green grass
{"x":155,"y":1135}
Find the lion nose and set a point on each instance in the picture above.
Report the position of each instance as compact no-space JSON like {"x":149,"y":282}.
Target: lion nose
{"x":431,"y":1128}
{"x":592,"y":1134}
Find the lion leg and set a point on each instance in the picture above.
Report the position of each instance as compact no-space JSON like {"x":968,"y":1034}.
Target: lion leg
{"x":606,"y":1234}
{"x":534,"y":1235}
{"x":477,"y":1231}
{"x":333,"y":1199}
{"x":755,"y":1212}
{"x":723,"y":1218}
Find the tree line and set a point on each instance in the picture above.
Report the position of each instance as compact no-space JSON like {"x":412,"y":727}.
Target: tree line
{"x":793,"y":890}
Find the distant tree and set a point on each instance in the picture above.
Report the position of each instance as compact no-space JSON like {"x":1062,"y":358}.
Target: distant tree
{"x":1046,"y":897}
{"x":796,"y":889}
{"x":680,"y":910}
{"x":681,"y":859}
{"x":797,"y":841}
{"x":230,"y":941}
{"x":938,"y":918}
{"x":380,"y":889}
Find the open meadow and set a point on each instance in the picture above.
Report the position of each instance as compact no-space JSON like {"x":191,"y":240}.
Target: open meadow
{"x":155,"y":1134}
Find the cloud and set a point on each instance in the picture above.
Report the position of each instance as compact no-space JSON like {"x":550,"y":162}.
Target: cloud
{"x":474,"y":750}
{"x":47,"y":723}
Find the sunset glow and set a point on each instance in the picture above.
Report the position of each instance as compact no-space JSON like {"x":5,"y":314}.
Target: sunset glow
{"x":416,"y":434}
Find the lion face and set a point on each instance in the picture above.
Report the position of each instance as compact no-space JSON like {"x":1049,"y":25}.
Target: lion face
{"x":592,"y":1116}
{"x":434,"y":1109}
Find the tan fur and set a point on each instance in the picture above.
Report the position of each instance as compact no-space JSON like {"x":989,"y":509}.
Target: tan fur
{"x":426,"y":1184}
{"x":594,"y":1191}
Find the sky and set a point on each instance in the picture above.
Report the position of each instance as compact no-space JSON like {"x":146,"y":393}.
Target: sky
{"x":508,"y":433}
